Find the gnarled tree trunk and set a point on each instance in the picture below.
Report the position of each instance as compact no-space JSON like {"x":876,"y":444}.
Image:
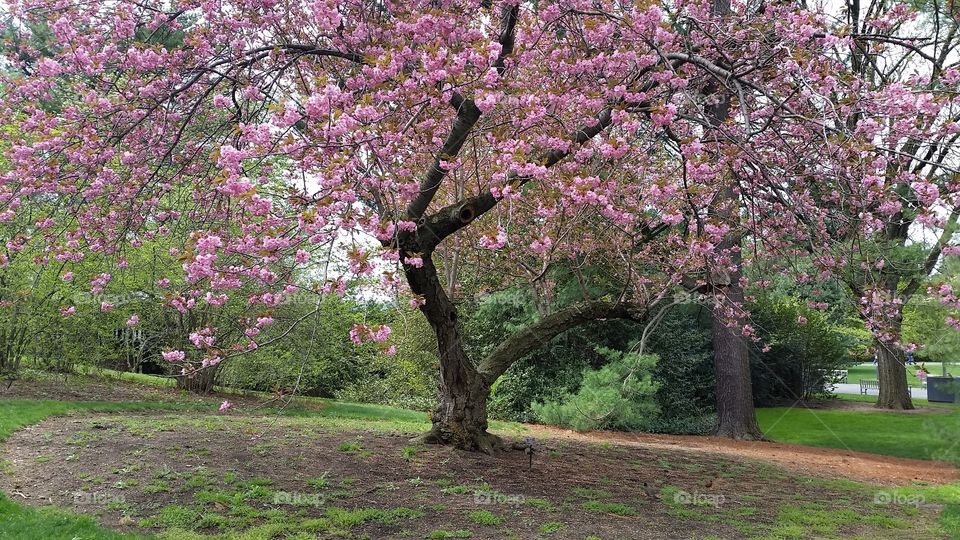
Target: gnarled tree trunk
{"x":460,"y":418}
{"x":892,"y":374}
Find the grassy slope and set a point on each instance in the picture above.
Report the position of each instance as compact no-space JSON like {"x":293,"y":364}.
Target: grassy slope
{"x":904,"y":435}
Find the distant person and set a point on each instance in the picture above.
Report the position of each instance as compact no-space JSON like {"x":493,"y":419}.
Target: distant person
{"x":910,"y":359}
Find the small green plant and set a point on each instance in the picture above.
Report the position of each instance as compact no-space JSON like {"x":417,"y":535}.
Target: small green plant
{"x":320,"y":483}
{"x":618,"y":509}
{"x":354,"y":447}
{"x":484,"y":517}
{"x":157,"y":486}
{"x":542,"y":504}
{"x":551,"y":527}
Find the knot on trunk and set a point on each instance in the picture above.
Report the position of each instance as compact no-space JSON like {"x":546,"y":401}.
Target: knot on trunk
{"x":466,"y":213}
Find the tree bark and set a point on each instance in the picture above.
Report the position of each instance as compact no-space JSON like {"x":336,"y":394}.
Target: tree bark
{"x":736,"y":417}
{"x":460,"y":417}
{"x":201,"y":382}
{"x":892,"y":375}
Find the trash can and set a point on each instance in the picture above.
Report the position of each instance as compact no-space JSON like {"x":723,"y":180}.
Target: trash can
{"x":943,"y":389}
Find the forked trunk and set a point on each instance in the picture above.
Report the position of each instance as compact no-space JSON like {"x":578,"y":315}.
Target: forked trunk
{"x":892,"y":375}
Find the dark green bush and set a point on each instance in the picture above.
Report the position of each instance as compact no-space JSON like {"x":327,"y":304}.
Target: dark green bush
{"x":804,"y":348}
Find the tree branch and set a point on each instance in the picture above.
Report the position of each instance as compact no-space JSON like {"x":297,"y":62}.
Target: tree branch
{"x":934,"y":256}
{"x":467,"y":116}
{"x":536,"y":334}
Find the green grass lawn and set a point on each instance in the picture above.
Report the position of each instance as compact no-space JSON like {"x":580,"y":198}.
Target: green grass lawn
{"x":22,"y":522}
{"x":919,"y":436}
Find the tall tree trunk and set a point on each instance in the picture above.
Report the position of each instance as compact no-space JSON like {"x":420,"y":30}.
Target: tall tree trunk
{"x":892,"y":374}
{"x":736,"y":417}
{"x":731,"y":361}
{"x":894,"y":391}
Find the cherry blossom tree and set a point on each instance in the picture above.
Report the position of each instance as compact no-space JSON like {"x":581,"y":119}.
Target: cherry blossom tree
{"x":875,"y":199}
{"x":267,"y":137}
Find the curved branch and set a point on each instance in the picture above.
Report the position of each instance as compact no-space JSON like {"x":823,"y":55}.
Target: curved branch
{"x":458,"y":215}
{"x":535,"y":335}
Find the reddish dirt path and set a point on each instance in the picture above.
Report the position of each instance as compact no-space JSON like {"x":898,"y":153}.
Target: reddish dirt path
{"x":824,"y":462}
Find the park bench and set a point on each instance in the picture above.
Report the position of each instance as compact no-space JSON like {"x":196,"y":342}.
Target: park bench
{"x":875,"y":385}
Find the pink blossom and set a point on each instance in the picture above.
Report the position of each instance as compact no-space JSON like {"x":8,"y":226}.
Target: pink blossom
{"x":174,"y":356}
{"x":416,"y":262}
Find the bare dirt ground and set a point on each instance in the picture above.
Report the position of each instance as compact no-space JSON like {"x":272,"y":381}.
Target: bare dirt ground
{"x":825,"y":462}
{"x":155,"y":471}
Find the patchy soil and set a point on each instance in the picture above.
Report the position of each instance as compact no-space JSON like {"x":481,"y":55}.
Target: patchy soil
{"x":224,"y":473}
{"x":88,"y":388}
{"x":822,"y":462}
